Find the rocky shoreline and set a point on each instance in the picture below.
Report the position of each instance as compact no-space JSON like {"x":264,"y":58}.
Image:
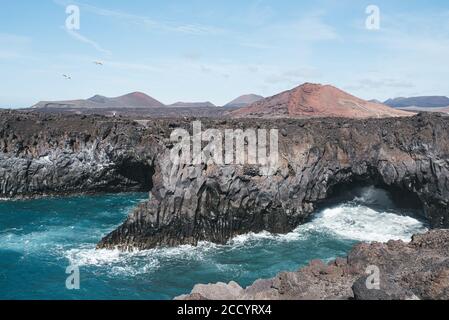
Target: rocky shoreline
{"x":318,"y":157}
{"x":55,"y":155}
{"x":407,"y":271}
{"x":43,"y":154}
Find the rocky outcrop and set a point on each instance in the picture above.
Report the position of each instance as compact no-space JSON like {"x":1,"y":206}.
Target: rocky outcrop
{"x":416,"y":270}
{"x":56,"y":155}
{"x":408,"y":156}
{"x":315,"y":100}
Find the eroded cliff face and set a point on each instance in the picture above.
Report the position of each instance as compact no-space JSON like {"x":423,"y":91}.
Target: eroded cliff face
{"x":56,"y":155}
{"x":317,"y":157}
{"x":404,"y":271}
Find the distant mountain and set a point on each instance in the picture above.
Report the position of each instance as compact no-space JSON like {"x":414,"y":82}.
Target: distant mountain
{"x":131,"y":100}
{"x":419,"y":102}
{"x":244,"y":101}
{"x":315,"y":100}
{"x":192,"y":105}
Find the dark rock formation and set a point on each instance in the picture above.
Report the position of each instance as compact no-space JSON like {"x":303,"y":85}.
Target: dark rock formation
{"x":53,"y":155}
{"x":417,"y":270}
{"x":408,"y":156}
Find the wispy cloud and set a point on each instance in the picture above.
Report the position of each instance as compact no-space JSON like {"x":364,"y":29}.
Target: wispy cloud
{"x":109,"y":63}
{"x":14,"y":46}
{"x":310,"y":27}
{"x":294,"y":76}
{"x":7,"y":55}
{"x":76,"y":35}
{"x":7,"y":38}
{"x":256,"y":45}
{"x":132,"y":66}
{"x":313,"y":28}
{"x":150,"y":24}
{"x":302,"y":31}
{"x":381,"y":84}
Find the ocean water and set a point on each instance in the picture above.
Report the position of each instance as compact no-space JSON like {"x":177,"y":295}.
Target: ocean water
{"x":39,"y":239}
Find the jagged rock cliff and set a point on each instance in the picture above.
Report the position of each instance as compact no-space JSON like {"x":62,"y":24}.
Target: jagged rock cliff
{"x":56,"y":155}
{"x":408,"y":156}
{"x":53,"y":155}
{"x":416,"y":270}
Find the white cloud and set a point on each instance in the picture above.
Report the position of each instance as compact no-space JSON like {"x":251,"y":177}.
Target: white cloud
{"x":132,"y":66}
{"x":294,"y":76}
{"x":7,"y":38}
{"x":310,"y":27}
{"x":14,"y":46}
{"x":381,"y":84}
{"x":76,"y":35}
{"x":314,"y":29}
{"x":151,"y":24}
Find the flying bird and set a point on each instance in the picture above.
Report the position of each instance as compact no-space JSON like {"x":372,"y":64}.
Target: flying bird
{"x":67,"y":77}
{"x":98,"y":63}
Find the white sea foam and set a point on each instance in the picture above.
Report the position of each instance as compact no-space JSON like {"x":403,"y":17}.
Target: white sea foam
{"x":352,"y":221}
{"x":374,"y":196}
{"x":252,"y":237}
{"x":365,"y":224}
{"x":136,"y":262}
{"x":118,"y":263}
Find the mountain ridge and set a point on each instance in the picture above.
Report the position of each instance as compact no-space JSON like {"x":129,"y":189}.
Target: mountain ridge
{"x":134,"y":99}
{"x":316,"y":100}
{"x":419,"y":101}
{"x":243,"y":101}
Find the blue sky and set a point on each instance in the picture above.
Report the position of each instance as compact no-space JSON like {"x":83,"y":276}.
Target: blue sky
{"x":215,"y":50}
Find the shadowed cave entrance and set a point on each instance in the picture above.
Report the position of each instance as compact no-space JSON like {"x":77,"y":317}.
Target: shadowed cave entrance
{"x":376,"y":195}
{"x":138,"y":173}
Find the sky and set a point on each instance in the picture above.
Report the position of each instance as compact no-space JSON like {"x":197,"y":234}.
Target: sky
{"x":216,"y":50}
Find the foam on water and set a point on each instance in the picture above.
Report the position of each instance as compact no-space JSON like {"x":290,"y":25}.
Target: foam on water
{"x":365,"y":218}
{"x":137,"y":262}
{"x":350,"y":221}
{"x":51,"y":235}
{"x":365,"y":224}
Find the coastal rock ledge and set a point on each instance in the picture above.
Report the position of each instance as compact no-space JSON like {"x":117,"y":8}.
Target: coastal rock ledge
{"x":407,"y":271}
{"x":54,"y":155}
{"x":318,"y":158}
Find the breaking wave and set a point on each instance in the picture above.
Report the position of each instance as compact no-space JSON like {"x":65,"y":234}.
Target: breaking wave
{"x":50,"y":235}
{"x":355,"y":220}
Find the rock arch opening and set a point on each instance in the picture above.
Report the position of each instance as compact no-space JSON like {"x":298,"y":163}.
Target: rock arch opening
{"x":373,"y":192}
{"x":138,"y":174}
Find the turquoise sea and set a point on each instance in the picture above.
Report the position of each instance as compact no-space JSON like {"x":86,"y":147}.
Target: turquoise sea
{"x":39,"y":239}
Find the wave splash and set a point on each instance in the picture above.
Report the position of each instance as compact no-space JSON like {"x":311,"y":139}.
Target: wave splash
{"x":357,"y":220}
